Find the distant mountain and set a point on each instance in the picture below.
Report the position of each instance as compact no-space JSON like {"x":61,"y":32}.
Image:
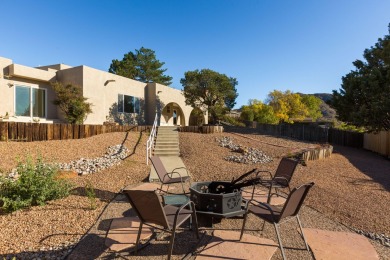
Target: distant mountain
{"x":326,"y":97}
{"x":328,"y":113}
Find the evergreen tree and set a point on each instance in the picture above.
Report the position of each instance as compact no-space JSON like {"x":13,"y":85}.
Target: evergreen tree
{"x":141,"y":65}
{"x":364,"y":97}
{"x":212,"y":90}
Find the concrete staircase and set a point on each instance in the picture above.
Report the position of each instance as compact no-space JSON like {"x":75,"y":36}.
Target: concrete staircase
{"x":167,"y":141}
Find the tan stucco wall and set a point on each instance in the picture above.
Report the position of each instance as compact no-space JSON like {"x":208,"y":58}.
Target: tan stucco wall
{"x":54,"y":67}
{"x":7,"y":90}
{"x":104,"y":95}
{"x":169,"y":95}
{"x":99,"y":87}
{"x":31,"y":73}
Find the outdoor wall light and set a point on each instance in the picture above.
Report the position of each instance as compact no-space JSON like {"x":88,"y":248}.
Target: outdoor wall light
{"x":10,"y":85}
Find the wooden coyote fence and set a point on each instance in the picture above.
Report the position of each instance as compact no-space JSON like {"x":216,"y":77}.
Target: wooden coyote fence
{"x":29,"y":132}
{"x":304,"y":132}
{"x":206,"y":129}
{"x":378,"y":142}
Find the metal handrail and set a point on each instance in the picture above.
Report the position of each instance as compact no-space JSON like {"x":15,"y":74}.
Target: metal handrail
{"x":149,"y":143}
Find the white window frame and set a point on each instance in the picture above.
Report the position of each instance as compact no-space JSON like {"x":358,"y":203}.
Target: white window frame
{"x":31,"y":101}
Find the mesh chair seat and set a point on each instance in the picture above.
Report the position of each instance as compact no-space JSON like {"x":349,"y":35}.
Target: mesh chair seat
{"x":275,"y":215}
{"x":265,"y":213}
{"x":150,"y":211}
{"x":170,"y":212}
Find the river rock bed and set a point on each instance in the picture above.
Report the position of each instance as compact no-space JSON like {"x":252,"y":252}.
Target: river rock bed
{"x":113,"y":156}
{"x":247,"y":155}
{"x":381,"y":238}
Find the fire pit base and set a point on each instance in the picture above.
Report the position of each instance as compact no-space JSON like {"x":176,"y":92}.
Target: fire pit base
{"x":219,"y":204}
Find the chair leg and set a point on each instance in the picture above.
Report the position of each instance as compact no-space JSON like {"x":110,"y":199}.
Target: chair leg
{"x":138,"y":237}
{"x":303,"y":235}
{"x":182,"y":186}
{"x":195,"y":219}
{"x":161,"y":187}
{"x":269,"y":195}
{"x":262,"y":228}
{"x":243,"y":225}
{"x":279,"y":240}
{"x":170,"y":250}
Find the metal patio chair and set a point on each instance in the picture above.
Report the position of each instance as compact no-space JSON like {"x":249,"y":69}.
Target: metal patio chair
{"x":151,"y":212}
{"x":276,"y":215}
{"x":281,"y":179}
{"x":169,"y":177}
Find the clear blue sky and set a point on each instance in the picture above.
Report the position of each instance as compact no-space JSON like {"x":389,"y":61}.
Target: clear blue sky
{"x":302,"y":46}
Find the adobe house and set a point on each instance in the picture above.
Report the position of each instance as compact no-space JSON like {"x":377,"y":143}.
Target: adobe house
{"x":27,"y":96}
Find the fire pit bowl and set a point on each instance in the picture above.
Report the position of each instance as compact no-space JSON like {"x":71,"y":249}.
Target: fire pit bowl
{"x":207,"y":198}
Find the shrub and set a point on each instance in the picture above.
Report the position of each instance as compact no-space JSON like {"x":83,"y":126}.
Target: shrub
{"x":91,"y":194}
{"x":70,"y":100}
{"x":37,"y":183}
{"x":348,"y":127}
{"x":232,"y":120}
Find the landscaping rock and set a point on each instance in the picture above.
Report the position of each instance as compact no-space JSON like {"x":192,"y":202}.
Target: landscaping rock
{"x":114,"y":155}
{"x":248,"y":155}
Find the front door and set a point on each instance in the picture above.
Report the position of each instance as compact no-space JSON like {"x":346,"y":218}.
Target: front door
{"x":174,"y":117}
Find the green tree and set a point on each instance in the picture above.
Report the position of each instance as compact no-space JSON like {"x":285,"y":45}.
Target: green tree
{"x":259,"y":112}
{"x":313,"y":105}
{"x":364,"y":98}
{"x":71,"y":101}
{"x":287,"y":106}
{"x":141,"y":65}
{"x":212,"y":90}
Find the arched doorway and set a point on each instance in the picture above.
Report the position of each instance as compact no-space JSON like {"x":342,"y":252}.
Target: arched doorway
{"x":196,"y":117}
{"x":172,"y":114}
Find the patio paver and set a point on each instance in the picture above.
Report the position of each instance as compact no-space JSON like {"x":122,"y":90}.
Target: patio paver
{"x":339,"y":245}
{"x":123,"y":233}
{"x":225,"y":245}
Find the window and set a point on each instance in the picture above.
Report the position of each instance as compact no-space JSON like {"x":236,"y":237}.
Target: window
{"x":30,"y":102}
{"x":128,"y":104}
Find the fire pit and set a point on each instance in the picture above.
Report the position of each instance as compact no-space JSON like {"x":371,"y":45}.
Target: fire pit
{"x":207,"y":199}
{"x":220,"y":199}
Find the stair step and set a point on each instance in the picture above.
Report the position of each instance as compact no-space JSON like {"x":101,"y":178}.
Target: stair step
{"x":167,"y":139}
{"x":167,"y":136}
{"x":166,"y":146}
{"x":166,"y":153}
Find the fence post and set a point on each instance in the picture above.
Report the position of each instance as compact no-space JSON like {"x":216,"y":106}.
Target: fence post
{"x":4,"y":131}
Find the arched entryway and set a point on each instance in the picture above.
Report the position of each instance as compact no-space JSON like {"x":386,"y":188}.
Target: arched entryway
{"x":196,"y":117}
{"x":172,"y":114}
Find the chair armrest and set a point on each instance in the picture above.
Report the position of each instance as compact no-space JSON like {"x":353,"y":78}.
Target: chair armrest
{"x":284,"y":194}
{"x":171,"y":193}
{"x":180,"y":168}
{"x":260,"y":172}
{"x":281,"y":180}
{"x":169,"y":175}
{"x":181,"y":208}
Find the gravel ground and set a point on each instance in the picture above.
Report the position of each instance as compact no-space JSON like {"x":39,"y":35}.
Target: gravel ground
{"x":352,"y":188}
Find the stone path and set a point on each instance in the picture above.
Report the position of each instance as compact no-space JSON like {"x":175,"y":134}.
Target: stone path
{"x":225,"y":245}
{"x":123,"y":233}
{"x":339,"y":245}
